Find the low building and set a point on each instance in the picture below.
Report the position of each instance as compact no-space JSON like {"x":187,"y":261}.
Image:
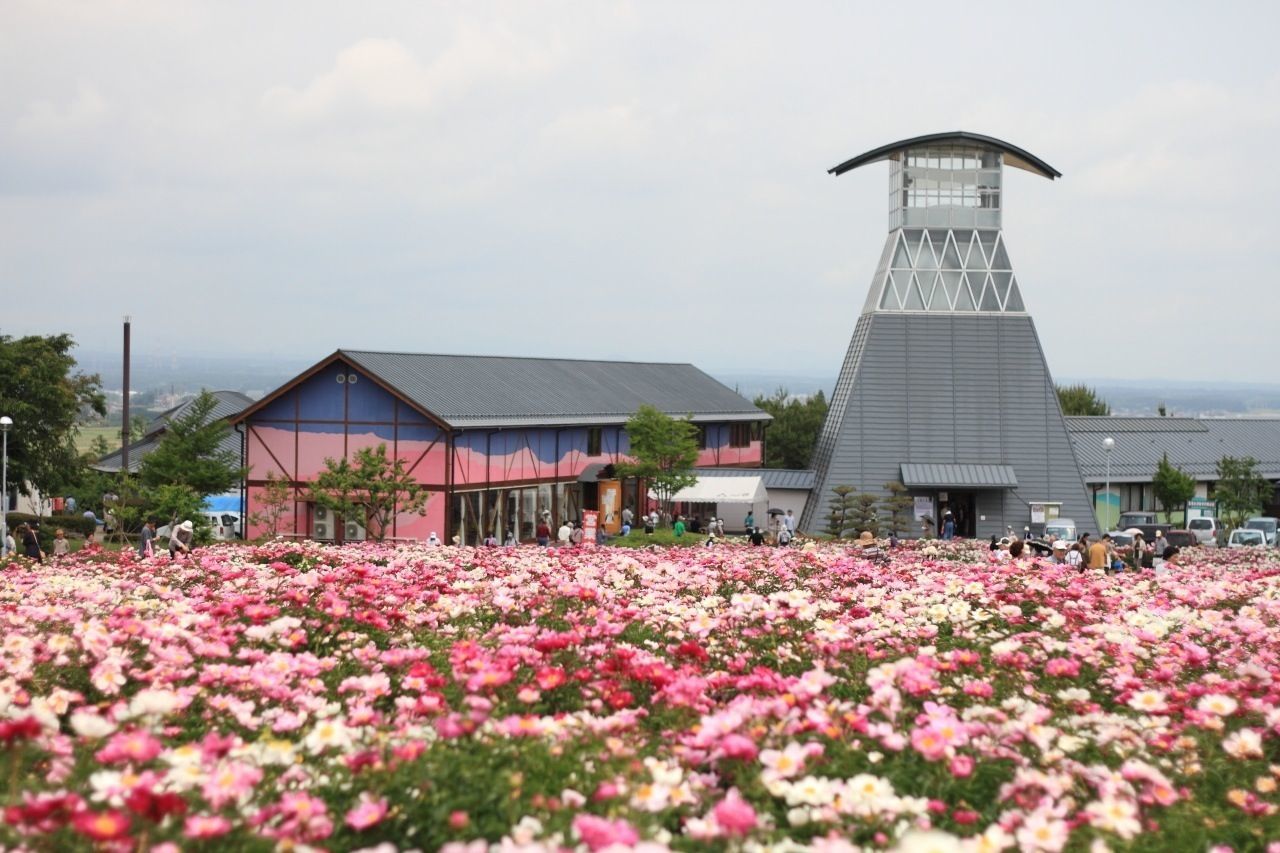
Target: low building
{"x":228,"y":403}
{"x":782,"y":489}
{"x":499,"y":442}
{"x":1195,"y":445}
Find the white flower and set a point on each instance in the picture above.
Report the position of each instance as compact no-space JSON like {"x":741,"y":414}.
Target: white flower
{"x":1041,"y":832}
{"x":1245,"y":743}
{"x":928,"y":841}
{"x":154,"y":702}
{"x":1216,"y":703}
{"x":1148,"y":701}
{"x":1118,"y":816}
{"x":91,"y":725}
{"x":327,"y":733}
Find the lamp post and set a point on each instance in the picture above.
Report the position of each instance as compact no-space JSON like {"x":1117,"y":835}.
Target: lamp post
{"x":1108,"y":444}
{"x":5,"y":423}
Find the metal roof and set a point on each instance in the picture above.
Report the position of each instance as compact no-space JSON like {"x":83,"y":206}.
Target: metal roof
{"x":921,"y":475}
{"x":1014,"y":156}
{"x":1110,"y":424}
{"x":773,"y":478}
{"x":1193,"y":444}
{"x":470,"y":391}
{"x":228,"y":404}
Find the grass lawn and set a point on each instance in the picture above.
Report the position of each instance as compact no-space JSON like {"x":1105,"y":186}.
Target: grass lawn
{"x":664,"y":537}
{"x":88,"y":433}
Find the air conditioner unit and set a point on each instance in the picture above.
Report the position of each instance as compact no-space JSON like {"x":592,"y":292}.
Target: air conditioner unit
{"x":321,"y":513}
{"x":354,"y":532}
{"x":322,"y":530}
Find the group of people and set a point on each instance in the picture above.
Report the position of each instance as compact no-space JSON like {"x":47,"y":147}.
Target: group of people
{"x":1101,"y":554}
{"x":181,"y":539}
{"x":28,"y":534}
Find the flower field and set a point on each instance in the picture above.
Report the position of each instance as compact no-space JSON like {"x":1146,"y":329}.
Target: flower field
{"x":293,"y":696}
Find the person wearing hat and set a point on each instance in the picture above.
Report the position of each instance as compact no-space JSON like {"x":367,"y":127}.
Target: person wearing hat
{"x":1059,"y":552}
{"x":870,"y":547}
{"x":1002,"y":554}
{"x":181,"y":538}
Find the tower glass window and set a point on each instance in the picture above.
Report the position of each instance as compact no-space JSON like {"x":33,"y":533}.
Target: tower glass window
{"x":945,"y":186}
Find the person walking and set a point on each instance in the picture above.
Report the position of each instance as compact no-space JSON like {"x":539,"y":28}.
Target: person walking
{"x":181,"y":539}
{"x":790,"y":521}
{"x":678,"y":528}
{"x":543,"y":533}
{"x":1075,"y":556}
{"x":578,"y":533}
{"x":1100,"y":553}
{"x":948,"y":526}
{"x":750,"y":521}
{"x":146,"y":540}
{"x":31,"y":543}
{"x":628,"y":517}
{"x":563,"y":534}
{"x":10,"y":546}
{"x":1139,"y":552}
{"x":1160,"y":544}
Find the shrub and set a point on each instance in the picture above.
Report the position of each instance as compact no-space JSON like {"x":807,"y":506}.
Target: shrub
{"x":71,"y":523}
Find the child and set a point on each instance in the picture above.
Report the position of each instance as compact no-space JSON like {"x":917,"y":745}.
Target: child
{"x":60,"y":545}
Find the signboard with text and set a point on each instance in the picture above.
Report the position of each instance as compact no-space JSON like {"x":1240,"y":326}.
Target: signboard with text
{"x":590,"y":521}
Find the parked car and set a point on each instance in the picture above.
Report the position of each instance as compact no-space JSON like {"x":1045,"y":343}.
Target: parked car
{"x":1267,"y":524}
{"x":223,"y":525}
{"x":1181,"y":538}
{"x":1242,"y":538}
{"x":1136,"y":518}
{"x":1120,"y":539}
{"x":1207,"y":530}
{"x":1060,"y":528}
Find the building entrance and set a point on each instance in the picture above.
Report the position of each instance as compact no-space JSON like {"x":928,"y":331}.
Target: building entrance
{"x":962,"y":506}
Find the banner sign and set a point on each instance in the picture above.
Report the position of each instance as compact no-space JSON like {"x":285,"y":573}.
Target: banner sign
{"x":590,"y":521}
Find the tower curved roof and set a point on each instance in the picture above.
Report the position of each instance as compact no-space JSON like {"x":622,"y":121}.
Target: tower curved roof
{"x":1013,"y":155}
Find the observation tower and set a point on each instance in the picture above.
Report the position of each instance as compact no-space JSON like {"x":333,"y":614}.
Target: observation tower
{"x":944,"y":387}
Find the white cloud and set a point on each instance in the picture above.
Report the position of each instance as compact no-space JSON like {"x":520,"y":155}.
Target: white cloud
{"x":45,"y":119}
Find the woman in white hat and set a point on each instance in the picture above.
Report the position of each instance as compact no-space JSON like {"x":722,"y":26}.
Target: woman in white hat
{"x":181,"y":538}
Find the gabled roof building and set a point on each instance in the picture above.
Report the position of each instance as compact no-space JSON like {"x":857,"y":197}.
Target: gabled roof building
{"x":944,"y":386}
{"x":229,"y":403}
{"x":500,"y":442}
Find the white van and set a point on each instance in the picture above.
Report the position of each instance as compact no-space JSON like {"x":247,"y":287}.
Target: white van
{"x":223,"y":525}
{"x":1267,"y":524}
{"x":1206,"y":530}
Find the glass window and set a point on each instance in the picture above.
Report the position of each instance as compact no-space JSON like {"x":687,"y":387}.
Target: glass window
{"x":888,"y":297}
{"x":950,"y":284}
{"x":913,"y":302}
{"x":988,"y":301}
{"x":1014,"y":300}
{"x":593,"y":441}
{"x":964,"y":299}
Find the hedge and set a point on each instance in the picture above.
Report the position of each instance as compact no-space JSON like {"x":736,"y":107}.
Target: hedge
{"x":69,"y":522}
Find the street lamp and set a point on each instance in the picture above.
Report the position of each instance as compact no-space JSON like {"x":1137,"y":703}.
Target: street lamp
{"x":1108,"y":444}
{"x":5,"y":423}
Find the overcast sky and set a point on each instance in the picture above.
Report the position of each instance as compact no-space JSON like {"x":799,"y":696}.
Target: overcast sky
{"x":626,"y":180}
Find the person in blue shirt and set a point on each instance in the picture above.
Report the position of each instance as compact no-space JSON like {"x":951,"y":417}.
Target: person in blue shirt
{"x":949,"y":526}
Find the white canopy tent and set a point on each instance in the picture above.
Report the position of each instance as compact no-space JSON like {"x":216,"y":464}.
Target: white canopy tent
{"x":733,"y":496}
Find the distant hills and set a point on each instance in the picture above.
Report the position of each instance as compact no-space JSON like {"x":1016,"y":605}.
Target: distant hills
{"x":258,"y":374}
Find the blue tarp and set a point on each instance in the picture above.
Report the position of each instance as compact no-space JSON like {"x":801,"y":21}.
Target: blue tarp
{"x":222,"y":503}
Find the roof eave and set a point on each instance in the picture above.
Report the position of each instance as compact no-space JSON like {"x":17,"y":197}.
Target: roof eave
{"x":1017,"y":157}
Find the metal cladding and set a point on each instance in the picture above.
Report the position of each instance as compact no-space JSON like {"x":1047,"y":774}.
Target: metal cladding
{"x":944,"y":386}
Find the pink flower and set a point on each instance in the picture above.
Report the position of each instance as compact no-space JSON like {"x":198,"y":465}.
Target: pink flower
{"x":734,"y":814}
{"x":738,"y":746}
{"x":137,"y":747}
{"x":598,"y":833}
{"x":929,"y":742}
{"x":1062,"y":667}
{"x":206,"y":826}
{"x":229,"y":783}
{"x":367,"y":812}
{"x":962,"y":766}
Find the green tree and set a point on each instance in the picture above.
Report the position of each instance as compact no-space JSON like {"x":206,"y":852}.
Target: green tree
{"x":1081,"y":400}
{"x":664,"y":448}
{"x":1240,"y":491}
{"x":1172,"y":488}
{"x":898,"y":508}
{"x":190,"y":453}
{"x":840,"y":508}
{"x":44,"y":394}
{"x":794,"y":430}
{"x":273,"y":499}
{"x":172,"y":504}
{"x":864,"y":514}
{"x":372,"y":490}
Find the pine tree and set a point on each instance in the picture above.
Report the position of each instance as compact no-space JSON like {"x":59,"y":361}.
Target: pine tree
{"x":839,"y":508}
{"x":864,"y":514}
{"x":897,"y":508}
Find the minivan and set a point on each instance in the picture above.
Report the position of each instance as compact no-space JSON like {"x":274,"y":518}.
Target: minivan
{"x":1060,"y":528}
{"x":1267,"y":524}
{"x":1206,"y":530}
{"x":1135,"y":518}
